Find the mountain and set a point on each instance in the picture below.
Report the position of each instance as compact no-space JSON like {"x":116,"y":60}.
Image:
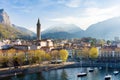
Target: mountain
{"x":69,"y":28}
{"x":4,"y":18}
{"x":62,"y":31}
{"x":24,"y":30}
{"x":107,"y":29}
{"x":57,"y":35}
{"x":7,"y":30}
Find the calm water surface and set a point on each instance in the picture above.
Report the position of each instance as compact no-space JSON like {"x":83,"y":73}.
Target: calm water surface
{"x":66,"y":74}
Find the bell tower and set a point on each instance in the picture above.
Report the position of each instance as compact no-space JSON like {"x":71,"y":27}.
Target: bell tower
{"x":38,"y":30}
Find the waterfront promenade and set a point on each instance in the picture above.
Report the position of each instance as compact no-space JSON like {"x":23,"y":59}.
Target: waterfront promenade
{"x":28,"y":69}
{"x":36,"y":68}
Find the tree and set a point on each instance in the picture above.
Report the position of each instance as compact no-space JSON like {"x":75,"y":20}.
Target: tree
{"x":20,"y":58}
{"x":63,"y":55}
{"x":47,"y":56}
{"x":108,"y":42}
{"x":3,"y":59}
{"x":79,"y":54}
{"x":102,"y":42}
{"x":93,"y":52}
{"x":11,"y":54}
{"x":85,"y":52}
{"x":31,"y":56}
{"x":39,"y":56}
{"x":93,"y":42}
{"x":54,"y":54}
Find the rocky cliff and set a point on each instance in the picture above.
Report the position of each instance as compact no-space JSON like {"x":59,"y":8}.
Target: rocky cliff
{"x":4,"y":18}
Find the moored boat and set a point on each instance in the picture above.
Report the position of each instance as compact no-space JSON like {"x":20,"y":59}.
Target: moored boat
{"x":107,"y":77}
{"x":81,"y":74}
{"x":115,"y":72}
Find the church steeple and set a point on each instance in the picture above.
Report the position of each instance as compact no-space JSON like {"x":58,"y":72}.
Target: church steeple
{"x":38,"y":22}
{"x":38,"y":30}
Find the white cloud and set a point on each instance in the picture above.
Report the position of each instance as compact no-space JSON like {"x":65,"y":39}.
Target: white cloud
{"x":113,"y":11}
{"x":91,"y":16}
{"x":90,"y":3}
{"x":82,"y":22}
{"x":73,"y":3}
{"x":70,"y":3}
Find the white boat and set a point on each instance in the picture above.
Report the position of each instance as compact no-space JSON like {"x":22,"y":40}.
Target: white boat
{"x":115,"y":72}
{"x":90,"y":69}
{"x":81,"y":74}
{"x":107,"y":77}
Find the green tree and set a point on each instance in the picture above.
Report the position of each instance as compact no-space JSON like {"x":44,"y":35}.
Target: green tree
{"x":108,"y":42}
{"x":63,"y":55}
{"x":93,"y":42}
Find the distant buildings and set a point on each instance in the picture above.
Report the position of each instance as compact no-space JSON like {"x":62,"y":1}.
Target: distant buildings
{"x":18,"y":44}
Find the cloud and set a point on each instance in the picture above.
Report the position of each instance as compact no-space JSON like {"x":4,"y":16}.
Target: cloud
{"x":73,"y":3}
{"x":113,"y":11}
{"x":91,"y":16}
{"x":70,"y":3}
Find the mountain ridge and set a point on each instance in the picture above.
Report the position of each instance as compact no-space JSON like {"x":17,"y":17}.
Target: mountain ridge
{"x":7,"y":30}
{"x":70,"y":28}
{"x":107,"y":29}
{"x":64,"y":30}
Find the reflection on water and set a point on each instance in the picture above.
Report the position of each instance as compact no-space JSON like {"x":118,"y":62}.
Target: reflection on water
{"x":65,"y":74}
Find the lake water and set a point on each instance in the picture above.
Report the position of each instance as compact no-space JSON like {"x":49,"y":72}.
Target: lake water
{"x":66,"y":74}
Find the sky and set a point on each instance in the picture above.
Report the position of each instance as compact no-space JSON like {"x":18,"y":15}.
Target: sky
{"x":82,"y":13}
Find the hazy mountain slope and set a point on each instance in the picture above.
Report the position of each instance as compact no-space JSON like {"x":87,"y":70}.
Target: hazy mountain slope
{"x":105,"y":29}
{"x":69,"y":28}
{"x":57,"y":35}
{"x":62,"y":31}
{"x":9,"y":32}
{"x":24,"y":30}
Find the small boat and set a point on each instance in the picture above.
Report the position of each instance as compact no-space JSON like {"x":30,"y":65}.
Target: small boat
{"x":81,"y":74}
{"x":115,"y":72}
{"x":107,"y":77}
{"x":90,"y":69}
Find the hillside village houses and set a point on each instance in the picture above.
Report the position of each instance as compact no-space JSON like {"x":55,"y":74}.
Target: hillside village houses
{"x":107,"y":50}
{"x":46,"y":44}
